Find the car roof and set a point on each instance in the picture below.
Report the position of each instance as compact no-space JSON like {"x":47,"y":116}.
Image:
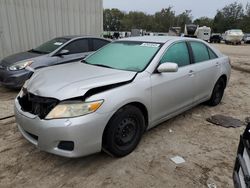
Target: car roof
{"x":158,"y":39}
{"x":70,"y":37}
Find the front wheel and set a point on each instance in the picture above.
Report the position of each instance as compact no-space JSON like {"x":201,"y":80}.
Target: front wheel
{"x":218,"y":93}
{"x":124,"y":131}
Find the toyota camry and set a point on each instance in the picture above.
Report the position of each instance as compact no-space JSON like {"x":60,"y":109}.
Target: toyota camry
{"x":107,"y":101}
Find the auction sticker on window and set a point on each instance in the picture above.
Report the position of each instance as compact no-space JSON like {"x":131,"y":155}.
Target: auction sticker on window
{"x":58,"y":43}
{"x":151,"y":45}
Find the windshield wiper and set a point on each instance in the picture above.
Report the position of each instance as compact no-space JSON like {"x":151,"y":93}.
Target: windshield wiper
{"x":100,"y":65}
{"x":84,"y":61}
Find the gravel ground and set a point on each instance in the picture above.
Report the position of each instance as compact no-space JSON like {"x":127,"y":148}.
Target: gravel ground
{"x":209,"y":150}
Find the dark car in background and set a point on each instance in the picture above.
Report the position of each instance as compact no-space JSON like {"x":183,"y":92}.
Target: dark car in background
{"x":246,"y":38}
{"x":215,"y":38}
{"x":241,"y":174}
{"x":14,"y":69}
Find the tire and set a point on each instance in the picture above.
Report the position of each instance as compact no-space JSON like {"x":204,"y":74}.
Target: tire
{"x":218,"y":93}
{"x":124,"y":131}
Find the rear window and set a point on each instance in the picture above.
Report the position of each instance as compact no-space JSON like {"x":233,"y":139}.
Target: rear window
{"x":200,"y":52}
{"x":212,"y":55}
{"x":78,"y":46}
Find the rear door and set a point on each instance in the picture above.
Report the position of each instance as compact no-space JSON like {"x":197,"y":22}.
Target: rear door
{"x":78,"y":49}
{"x":172,"y":92}
{"x":206,"y":70}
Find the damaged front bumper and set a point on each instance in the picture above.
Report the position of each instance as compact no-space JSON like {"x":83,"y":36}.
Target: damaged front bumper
{"x":71,"y":137}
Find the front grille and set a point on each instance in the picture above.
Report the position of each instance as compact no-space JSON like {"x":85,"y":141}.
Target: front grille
{"x":40,"y":106}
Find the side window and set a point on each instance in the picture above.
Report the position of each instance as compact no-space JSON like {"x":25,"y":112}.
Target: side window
{"x":98,"y":43}
{"x":212,"y":55}
{"x":78,"y":46}
{"x":200,"y":52}
{"x":178,"y":53}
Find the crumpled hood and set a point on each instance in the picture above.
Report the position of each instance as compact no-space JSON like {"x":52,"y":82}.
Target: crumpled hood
{"x":73,"y":80}
{"x":11,"y":60}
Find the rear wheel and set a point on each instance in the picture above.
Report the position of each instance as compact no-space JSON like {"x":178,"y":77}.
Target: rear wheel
{"x":218,"y":93}
{"x":124,"y":131}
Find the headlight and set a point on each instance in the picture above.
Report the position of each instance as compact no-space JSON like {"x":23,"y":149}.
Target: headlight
{"x":72,"y":109}
{"x":20,"y":66}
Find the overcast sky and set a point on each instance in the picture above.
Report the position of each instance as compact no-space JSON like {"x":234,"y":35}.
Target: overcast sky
{"x":199,"y":7}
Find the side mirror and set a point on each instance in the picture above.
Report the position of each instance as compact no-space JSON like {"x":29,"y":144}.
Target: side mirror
{"x":167,"y":67}
{"x":63,"y":52}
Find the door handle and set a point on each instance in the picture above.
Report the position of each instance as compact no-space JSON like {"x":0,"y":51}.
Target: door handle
{"x":191,"y":73}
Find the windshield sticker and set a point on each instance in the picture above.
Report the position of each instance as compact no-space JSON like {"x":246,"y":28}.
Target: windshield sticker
{"x":58,"y":43}
{"x":151,"y":45}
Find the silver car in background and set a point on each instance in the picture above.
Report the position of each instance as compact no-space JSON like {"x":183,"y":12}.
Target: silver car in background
{"x":13,"y":69}
{"x":107,"y":101}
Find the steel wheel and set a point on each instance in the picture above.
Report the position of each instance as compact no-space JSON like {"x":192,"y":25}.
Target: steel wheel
{"x":124,"y":131}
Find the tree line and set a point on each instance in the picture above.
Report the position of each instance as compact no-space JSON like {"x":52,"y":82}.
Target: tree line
{"x":232,"y":16}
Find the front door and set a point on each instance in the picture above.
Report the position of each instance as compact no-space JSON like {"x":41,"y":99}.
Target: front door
{"x":78,"y":50}
{"x":173,"y":92}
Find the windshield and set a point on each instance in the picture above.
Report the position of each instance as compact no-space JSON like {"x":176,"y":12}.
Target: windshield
{"x":125,"y":55}
{"x":50,"y":46}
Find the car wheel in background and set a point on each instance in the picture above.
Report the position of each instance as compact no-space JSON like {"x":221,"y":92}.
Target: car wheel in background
{"x":218,"y":93}
{"x":124,"y":131}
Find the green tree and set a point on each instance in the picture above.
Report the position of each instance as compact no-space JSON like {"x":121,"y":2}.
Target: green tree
{"x":204,"y":21}
{"x":229,"y":17}
{"x":218,"y":24}
{"x":115,"y":20}
{"x":112,"y":19}
{"x":246,"y":20}
{"x":137,"y":20}
{"x":183,"y":18}
{"x":164,"y":20}
{"x":248,"y":10}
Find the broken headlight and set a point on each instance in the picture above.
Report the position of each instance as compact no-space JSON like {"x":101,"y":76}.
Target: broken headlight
{"x":70,"y":109}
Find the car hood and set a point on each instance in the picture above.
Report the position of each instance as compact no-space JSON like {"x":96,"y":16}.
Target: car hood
{"x":73,"y":80}
{"x":11,"y":60}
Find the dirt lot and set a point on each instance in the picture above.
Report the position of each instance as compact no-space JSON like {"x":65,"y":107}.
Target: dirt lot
{"x":209,"y":150}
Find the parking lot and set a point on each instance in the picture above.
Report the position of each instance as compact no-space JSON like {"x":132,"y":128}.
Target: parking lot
{"x":209,"y":150}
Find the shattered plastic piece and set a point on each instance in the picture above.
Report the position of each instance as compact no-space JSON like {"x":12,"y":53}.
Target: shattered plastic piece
{"x":225,"y":121}
{"x":170,"y":130}
{"x":211,"y":185}
{"x":178,"y":160}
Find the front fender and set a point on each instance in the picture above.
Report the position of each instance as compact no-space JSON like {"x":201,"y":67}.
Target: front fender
{"x":137,"y":91}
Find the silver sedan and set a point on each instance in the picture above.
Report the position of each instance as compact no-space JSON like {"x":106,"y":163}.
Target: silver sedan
{"x":107,"y":101}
